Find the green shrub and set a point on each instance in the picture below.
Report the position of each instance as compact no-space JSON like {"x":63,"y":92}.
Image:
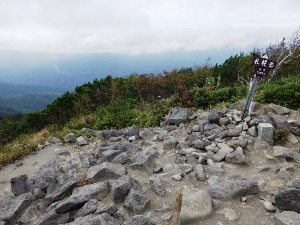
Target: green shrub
{"x":284,"y":92}
{"x":208,"y":98}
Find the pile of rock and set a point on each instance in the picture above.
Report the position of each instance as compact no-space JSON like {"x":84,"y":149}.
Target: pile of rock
{"x":204,"y":166}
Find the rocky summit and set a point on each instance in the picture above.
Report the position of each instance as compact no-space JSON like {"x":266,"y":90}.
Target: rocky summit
{"x":204,"y":167}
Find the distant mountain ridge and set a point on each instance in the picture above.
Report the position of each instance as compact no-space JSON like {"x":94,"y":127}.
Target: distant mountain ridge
{"x":68,"y":71}
{"x":13,"y":90}
{"x":26,"y":98}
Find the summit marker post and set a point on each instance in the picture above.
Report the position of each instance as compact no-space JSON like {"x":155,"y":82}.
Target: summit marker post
{"x":262,"y":67}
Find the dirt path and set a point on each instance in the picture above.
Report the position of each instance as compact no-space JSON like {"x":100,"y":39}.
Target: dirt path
{"x":30,"y":165}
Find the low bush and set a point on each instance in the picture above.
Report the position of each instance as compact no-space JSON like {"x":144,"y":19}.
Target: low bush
{"x":284,"y":92}
{"x":207,"y":98}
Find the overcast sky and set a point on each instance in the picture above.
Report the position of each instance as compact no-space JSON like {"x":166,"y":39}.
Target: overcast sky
{"x":144,"y":26}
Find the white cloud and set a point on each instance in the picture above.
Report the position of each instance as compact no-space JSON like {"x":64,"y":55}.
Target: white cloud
{"x":134,"y":27}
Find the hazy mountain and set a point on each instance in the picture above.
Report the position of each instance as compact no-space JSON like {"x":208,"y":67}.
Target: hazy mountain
{"x":29,"y":81}
{"x":26,"y":103}
{"x":13,"y":90}
{"x":26,"y":98}
{"x":68,"y":71}
{"x":5,"y":108}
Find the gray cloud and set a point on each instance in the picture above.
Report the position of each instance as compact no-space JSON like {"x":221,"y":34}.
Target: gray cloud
{"x":133,"y":27}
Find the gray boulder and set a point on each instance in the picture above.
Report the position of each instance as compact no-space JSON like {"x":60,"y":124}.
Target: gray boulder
{"x":196,"y":205}
{"x":202,"y":124}
{"x":102,"y":219}
{"x":137,"y":201}
{"x":201,"y":143}
{"x":11,"y":207}
{"x":288,"y":199}
{"x":109,"y":155}
{"x":108,"y":133}
{"x":221,"y":154}
{"x":278,"y":109}
{"x":19,"y":185}
{"x":108,"y":208}
{"x":81,"y":141}
{"x":281,"y":123}
{"x":106,"y":171}
{"x":147,"y":134}
{"x":253,"y":122}
{"x":214,"y":116}
{"x":189,"y":140}
{"x":71,"y":137}
{"x":231,"y":133}
{"x":61,"y":191}
{"x":178,"y":115}
{"x":214,"y":134}
{"x":88,"y":208}
{"x":224,"y":121}
{"x":121,"y":187}
{"x":214,"y":170}
{"x":138,"y":220}
{"x":280,"y":151}
{"x":252,"y":131}
{"x":295,"y":131}
{"x":144,"y":162}
{"x":240,"y":142}
{"x":231,"y":187}
{"x":264,"y":119}
{"x":53,"y":218}
{"x":169,"y":143}
{"x":157,"y":185}
{"x":82,"y":195}
{"x":134,"y":130}
{"x":45,"y":179}
{"x":236,"y":157}
{"x":287,"y":218}
{"x":296,"y":184}
{"x":121,"y":159}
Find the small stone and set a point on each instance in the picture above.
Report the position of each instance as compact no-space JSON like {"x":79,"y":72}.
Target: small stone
{"x":239,"y":128}
{"x":221,"y":154}
{"x":210,"y":162}
{"x":260,"y":169}
{"x":291,"y":138}
{"x":167,"y":216}
{"x":230,"y":214}
{"x":252,"y":131}
{"x":81,"y":141}
{"x":71,"y":137}
{"x":18,"y":164}
{"x":245,"y":126}
{"x":269,"y":206}
{"x":199,"y":172}
{"x":177,"y":177}
{"x":169,"y":143}
{"x":237,"y":119}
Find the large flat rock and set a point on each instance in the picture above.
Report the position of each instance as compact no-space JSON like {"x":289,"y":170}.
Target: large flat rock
{"x":196,"y":205}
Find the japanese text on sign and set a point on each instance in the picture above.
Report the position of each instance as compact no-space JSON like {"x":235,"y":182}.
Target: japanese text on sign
{"x":262,"y":66}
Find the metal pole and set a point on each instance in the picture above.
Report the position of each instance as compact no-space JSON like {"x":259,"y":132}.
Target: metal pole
{"x":250,"y":97}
